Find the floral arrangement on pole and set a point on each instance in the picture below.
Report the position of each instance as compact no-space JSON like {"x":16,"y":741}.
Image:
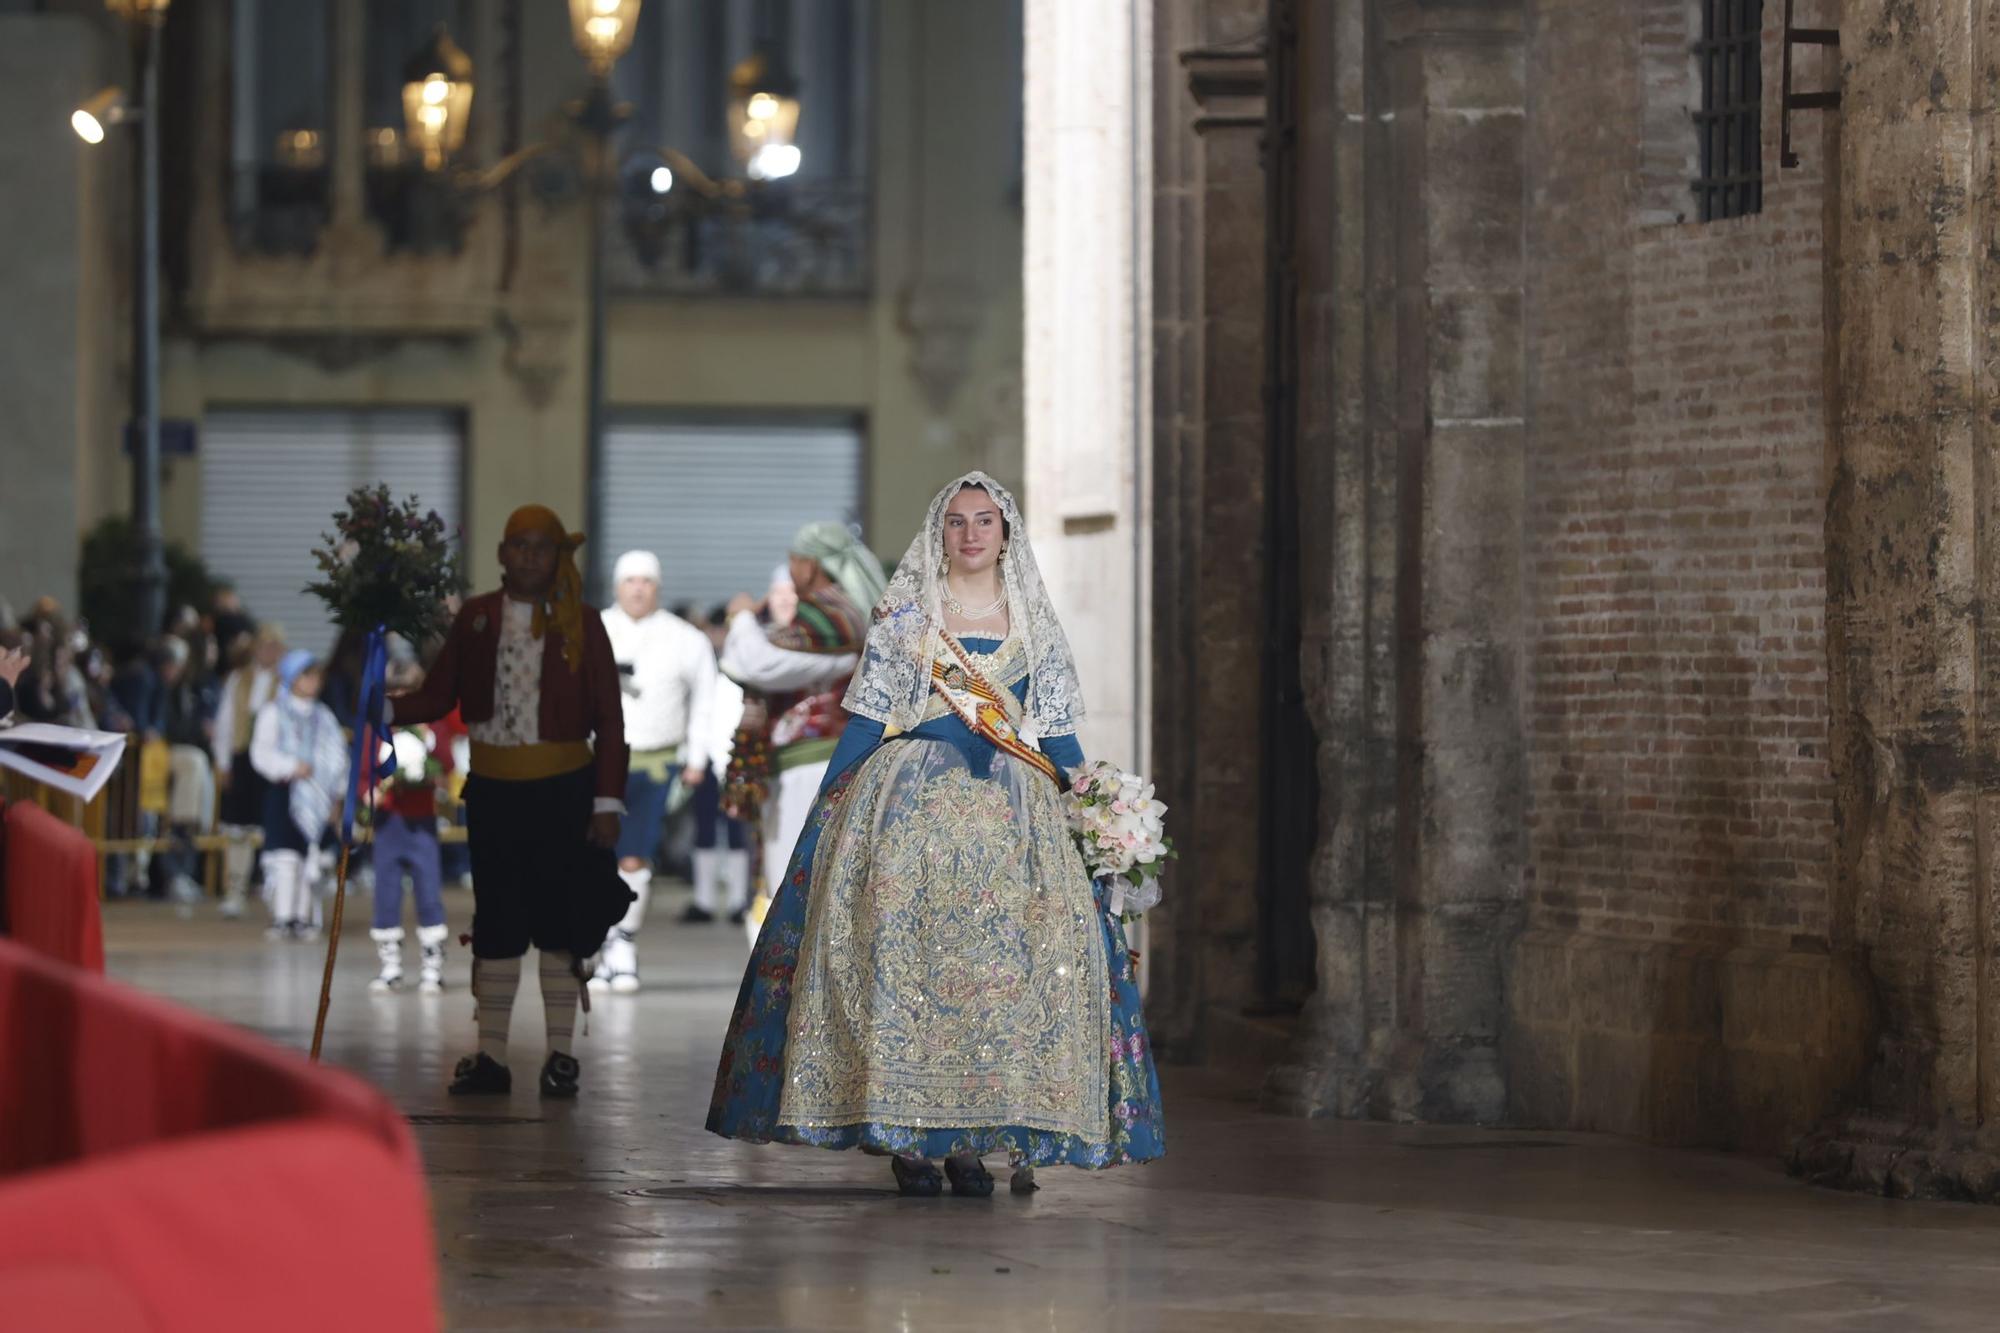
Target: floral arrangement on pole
{"x":1121,"y":831}
{"x":389,"y":568}
{"x":389,"y":565}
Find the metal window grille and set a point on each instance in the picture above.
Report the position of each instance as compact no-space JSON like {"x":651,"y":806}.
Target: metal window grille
{"x":1730,"y":121}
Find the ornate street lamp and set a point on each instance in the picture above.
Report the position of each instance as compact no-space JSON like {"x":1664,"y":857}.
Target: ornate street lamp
{"x":764,"y":115}
{"x":764,"y":119}
{"x":437,"y":99}
{"x":602,"y":31}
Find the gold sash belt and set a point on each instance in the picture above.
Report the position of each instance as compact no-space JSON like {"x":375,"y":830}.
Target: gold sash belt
{"x":528,"y":763}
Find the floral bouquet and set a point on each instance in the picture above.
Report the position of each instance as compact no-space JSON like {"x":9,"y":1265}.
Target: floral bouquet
{"x":388,"y":564}
{"x":1120,"y":829}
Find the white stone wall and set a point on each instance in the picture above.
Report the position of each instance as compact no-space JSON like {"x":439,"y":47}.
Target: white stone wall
{"x":1088,"y":172}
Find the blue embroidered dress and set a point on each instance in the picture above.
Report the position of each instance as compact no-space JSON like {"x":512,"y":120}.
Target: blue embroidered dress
{"x":937,"y":973}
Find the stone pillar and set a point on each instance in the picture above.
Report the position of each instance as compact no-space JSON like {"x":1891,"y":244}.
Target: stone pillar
{"x":1412,"y":427}
{"x":1086,"y":85}
{"x":1348,"y":474}
{"x":1909,"y":575}
{"x":64,"y":317}
{"x":1208,"y":448}
{"x":1227,"y":83}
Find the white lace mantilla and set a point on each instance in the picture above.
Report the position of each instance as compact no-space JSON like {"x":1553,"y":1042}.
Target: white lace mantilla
{"x":893,"y":684}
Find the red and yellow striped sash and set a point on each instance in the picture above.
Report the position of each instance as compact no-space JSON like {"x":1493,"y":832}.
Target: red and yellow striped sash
{"x":977,"y":703}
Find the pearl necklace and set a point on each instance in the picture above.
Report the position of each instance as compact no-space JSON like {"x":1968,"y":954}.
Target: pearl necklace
{"x":957,"y":607}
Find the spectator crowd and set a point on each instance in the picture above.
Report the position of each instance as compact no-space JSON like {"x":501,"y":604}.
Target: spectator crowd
{"x":170,"y":696}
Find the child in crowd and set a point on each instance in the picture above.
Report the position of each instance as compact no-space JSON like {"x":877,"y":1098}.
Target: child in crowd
{"x":297,"y":749}
{"x":406,"y":842}
{"x":252,"y":683}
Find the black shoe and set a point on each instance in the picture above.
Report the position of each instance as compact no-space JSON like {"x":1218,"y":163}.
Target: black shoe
{"x":970,"y":1181}
{"x":736,"y":917}
{"x":916,"y":1180}
{"x":559,"y":1073}
{"x":696,"y":915}
{"x":481,"y":1074}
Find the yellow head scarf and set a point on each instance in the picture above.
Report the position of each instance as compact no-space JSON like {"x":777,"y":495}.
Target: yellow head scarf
{"x":564,"y":607}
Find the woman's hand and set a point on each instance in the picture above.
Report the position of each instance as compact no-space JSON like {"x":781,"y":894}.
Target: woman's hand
{"x":604,"y":829}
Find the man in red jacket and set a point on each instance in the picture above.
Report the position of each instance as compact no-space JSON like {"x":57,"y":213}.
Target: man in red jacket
{"x":531,"y":671}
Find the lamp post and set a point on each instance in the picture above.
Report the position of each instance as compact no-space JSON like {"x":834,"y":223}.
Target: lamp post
{"x":602,"y":31}
{"x":764,"y":111}
{"x":144,"y":18}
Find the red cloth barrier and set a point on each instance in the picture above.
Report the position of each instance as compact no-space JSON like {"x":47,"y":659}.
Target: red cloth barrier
{"x":301,"y":1225}
{"x":48,"y":874}
{"x":165,"y":1171}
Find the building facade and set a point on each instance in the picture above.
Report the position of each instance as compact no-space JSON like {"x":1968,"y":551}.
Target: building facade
{"x":845,"y":341}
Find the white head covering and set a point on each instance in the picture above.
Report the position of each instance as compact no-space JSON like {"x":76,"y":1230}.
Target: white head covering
{"x":781,"y":576}
{"x":894,"y":681}
{"x":636,"y":565}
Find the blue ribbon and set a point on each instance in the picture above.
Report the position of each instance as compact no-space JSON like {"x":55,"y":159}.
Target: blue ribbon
{"x":369,"y":698}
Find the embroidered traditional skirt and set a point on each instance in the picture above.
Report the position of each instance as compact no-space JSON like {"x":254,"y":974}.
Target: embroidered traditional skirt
{"x":938,"y":975}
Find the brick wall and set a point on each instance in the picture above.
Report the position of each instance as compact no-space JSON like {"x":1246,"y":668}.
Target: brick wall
{"x":1676,"y":978}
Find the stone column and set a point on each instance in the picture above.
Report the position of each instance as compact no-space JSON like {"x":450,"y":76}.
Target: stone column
{"x":64,"y":313}
{"x":1910,"y":570}
{"x":1208,"y":451}
{"x":1412,"y":423}
{"x":1348,"y":476}
{"x":1087,"y":84}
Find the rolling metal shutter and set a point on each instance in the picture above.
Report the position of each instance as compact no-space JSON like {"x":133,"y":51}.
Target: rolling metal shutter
{"x":271,"y":481}
{"x":719,"y":503}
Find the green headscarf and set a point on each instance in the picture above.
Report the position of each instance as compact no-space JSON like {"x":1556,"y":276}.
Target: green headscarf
{"x":846,"y":561}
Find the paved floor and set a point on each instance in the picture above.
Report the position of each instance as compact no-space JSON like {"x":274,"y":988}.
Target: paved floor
{"x":618,"y":1211}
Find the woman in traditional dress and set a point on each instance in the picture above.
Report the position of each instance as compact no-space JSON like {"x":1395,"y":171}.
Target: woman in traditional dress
{"x":938,"y":977}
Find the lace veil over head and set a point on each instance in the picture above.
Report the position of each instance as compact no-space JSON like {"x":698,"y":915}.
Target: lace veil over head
{"x":894,"y":681}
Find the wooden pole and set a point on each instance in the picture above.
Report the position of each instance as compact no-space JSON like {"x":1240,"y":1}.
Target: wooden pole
{"x":369,"y":741}
{"x":332,"y":945}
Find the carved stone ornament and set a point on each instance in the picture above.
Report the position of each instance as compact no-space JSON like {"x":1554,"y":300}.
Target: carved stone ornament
{"x":538,"y":354}
{"x":942,"y":316}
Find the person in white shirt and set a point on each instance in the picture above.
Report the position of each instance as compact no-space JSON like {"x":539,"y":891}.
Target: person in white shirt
{"x":246,"y":690}
{"x":666,"y":674}
{"x":721,"y":852}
